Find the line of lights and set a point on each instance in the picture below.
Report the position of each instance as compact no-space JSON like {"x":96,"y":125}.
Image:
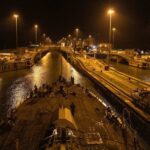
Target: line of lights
{"x":16,"y":16}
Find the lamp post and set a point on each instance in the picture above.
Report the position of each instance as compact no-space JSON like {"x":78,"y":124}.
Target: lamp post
{"x":90,"y":40}
{"x":77,"y":32}
{"x":36,"y":32}
{"x":69,"y":41}
{"x":76,"y":39}
{"x":113,"y":29}
{"x":16,"y":16}
{"x":110,"y":13}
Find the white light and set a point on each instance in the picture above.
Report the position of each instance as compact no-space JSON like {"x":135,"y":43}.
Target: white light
{"x":16,"y":15}
{"x":114,"y":29}
{"x":110,"y":11}
{"x":55,"y":132}
{"x":77,"y":29}
{"x":94,"y":46}
{"x":36,"y":26}
{"x":142,"y":52}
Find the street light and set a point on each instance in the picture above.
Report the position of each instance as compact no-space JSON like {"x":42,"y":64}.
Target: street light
{"x":77,"y":32}
{"x":76,"y":39}
{"x":90,"y":36}
{"x":69,"y":35}
{"x":110,"y":13}
{"x":36,"y":30}
{"x":113,"y":29}
{"x":16,"y":16}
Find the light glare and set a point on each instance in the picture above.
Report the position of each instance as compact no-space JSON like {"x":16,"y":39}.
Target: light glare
{"x":114,"y":29}
{"x":36,"y":26}
{"x":15,"y":15}
{"x":110,"y":11}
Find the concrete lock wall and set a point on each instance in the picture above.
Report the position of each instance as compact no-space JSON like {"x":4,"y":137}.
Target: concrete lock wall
{"x":4,"y":67}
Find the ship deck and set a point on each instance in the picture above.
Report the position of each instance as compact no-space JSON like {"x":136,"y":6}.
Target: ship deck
{"x":33,"y":118}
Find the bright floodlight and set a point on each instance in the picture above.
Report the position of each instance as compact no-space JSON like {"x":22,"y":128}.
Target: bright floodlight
{"x":15,"y":15}
{"x":77,"y":29}
{"x":90,"y":36}
{"x":36,"y":26}
{"x":114,"y":29}
{"x":110,"y":11}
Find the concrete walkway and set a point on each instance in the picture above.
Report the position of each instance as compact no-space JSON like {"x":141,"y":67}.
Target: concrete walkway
{"x":120,"y":85}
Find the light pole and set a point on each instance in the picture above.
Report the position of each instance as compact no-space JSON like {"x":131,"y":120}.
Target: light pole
{"x":113,"y":29}
{"x":110,"y":12}
{"x":16,"y":16}
{"x":77,"y":32}
{"x":76,"y":39}
{"x":90,"y":40}
{"x":36,"y":33}
{"x":69,"y":41}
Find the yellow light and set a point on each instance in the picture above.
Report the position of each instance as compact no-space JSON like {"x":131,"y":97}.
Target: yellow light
{"x":15,"y":15}
{"x":77,"y":29}
{"x":114,"y":29}
{"x":110,"y":11}
{"x":90,"y":36}
{"x":36,"y":26}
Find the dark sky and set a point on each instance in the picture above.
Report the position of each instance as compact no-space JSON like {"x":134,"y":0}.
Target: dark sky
{"x":58,"y":18}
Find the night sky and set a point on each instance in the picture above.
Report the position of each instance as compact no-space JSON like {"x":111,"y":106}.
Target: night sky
{"x":58,"y":18}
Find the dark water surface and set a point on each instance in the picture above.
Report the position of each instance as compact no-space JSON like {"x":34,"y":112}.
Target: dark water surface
{"x":142,"y":74}
{"x":14,"y":86}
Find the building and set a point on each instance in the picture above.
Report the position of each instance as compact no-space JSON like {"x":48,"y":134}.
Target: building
{"x":104,"y":47}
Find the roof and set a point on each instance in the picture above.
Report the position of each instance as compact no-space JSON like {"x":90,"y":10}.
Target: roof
{"x":63,"y":118}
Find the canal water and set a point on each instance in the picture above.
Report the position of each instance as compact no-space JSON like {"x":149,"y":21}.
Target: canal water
{"x":16,"y":85}
{"x":142,"y":74}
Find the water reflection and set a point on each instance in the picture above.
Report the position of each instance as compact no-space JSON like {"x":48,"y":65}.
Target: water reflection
{"x":15,"y":86}
{"x":17,"y":92}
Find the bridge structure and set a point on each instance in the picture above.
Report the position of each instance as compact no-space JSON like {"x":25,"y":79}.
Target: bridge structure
{"x":117,"y":57}
{"x":123,"y":58}
{"x":130,"y":60}
{"x":120,"y":57}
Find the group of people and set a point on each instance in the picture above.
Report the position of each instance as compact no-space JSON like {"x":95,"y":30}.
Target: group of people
{"x":62,"y":89}
{"x":47,"y":89}
{"x":42,"y":91}
{"x":63,"y":80}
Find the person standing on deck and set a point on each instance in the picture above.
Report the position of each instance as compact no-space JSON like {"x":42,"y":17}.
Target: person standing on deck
{"x":72,"y":106}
